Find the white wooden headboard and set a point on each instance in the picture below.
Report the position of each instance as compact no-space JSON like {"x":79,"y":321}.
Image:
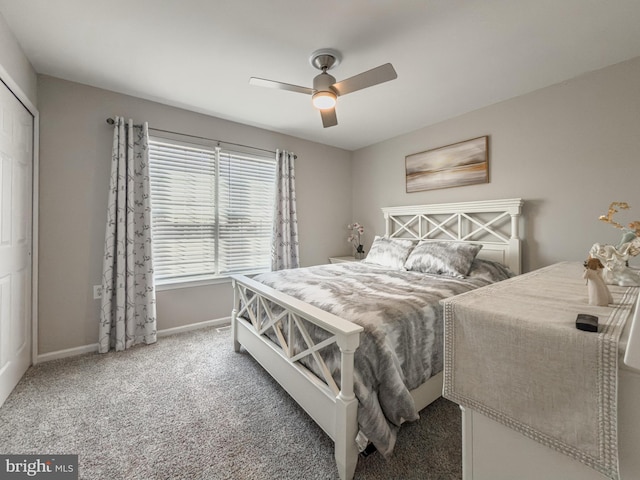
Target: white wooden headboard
{"x":492,"y":223}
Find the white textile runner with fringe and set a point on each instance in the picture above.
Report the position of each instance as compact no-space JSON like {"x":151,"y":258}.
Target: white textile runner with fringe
{"x":513,"y":353}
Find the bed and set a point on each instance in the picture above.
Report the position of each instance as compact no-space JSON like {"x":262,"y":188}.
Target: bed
{"x":325,"y":350}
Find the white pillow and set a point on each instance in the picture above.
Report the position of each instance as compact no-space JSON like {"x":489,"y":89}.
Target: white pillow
{"x":389,"y":252}
{"x":443,"y":258}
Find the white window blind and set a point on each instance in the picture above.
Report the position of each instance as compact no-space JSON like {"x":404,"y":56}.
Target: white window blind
{"x":212,"y":211}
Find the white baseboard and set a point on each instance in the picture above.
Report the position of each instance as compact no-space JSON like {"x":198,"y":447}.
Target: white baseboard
{"x":71,"y":352}
{"x":194,"y":326}
{"x":67,"y":352}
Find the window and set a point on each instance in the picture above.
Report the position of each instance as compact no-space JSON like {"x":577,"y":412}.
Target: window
{"x":212,"y":211}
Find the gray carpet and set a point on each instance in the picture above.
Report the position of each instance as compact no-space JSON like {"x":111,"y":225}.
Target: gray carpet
{"x":189,"y":407}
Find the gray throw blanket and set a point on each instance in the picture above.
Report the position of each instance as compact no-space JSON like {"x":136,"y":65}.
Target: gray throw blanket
{"x":401,"y":346}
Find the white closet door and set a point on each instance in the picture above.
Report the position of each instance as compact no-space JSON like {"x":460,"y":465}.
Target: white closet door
{"x":16,"y":185}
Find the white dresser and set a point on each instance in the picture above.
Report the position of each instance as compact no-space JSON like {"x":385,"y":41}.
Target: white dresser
{"x":493,"y":449}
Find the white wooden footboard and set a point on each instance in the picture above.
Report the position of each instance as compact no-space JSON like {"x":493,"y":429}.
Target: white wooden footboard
{"x":333,"y":408}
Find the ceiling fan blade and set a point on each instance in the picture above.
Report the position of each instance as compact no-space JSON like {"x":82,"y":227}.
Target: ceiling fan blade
{"x":372,"y":77}
{"x":261,"y":82}
{"x":329,"y":118}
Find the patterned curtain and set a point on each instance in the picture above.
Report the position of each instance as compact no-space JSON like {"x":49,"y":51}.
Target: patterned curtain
{"x":128,"y":313}
{"x":284,"y":250}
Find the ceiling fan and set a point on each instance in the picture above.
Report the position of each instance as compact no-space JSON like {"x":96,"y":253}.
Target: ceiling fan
{"x":326,"y":90}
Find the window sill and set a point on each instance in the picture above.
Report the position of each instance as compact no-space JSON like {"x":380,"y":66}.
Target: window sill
{"x":191,"y":283}
{"x":202,"y":282}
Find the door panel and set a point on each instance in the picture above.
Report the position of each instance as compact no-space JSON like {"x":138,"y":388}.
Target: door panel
{"x":16,"y":193}
{"x":5,"y":312}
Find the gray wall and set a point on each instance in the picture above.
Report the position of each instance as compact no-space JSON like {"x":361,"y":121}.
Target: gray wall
{"x":568,"y":150}
{"x":75,"y":151}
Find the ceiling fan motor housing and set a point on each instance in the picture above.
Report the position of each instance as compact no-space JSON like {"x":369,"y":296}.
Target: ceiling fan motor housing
{"x":324,"y":95}
{"x":324,"y":82}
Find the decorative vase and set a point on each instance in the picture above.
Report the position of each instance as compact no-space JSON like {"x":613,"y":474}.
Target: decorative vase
{"x":359,"y":255}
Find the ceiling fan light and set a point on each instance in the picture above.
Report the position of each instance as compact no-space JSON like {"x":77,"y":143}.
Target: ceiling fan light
{"x":324,"y":100}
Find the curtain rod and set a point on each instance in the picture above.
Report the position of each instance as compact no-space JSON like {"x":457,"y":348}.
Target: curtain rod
{"x":111,"y":121}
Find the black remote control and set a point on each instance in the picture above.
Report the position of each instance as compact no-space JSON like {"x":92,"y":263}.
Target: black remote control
{"x":586,"y":322}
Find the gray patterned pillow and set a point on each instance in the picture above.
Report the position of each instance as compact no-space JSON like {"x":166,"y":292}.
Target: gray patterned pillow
{"x":442,"y":258}
{"x":491,"y":271}
{"x":389,"y":252}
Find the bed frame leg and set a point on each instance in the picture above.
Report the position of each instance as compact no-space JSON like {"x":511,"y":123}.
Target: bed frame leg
{"x":347,"y":412}
{"x":234,"y":331}
{"x":345,"y":443}
{"x":347,"y":471}
{"x":234,"y":317}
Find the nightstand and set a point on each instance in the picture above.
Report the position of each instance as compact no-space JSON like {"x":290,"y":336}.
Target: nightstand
{"x":343,"y":259}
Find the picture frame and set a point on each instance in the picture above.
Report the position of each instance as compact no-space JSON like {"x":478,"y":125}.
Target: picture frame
{"x":455,"y":165}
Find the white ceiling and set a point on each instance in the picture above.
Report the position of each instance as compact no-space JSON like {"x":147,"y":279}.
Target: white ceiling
{"x":452,"y":56}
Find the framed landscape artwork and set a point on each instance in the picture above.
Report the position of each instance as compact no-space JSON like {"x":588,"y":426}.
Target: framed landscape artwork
{"x":463,"y":163}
